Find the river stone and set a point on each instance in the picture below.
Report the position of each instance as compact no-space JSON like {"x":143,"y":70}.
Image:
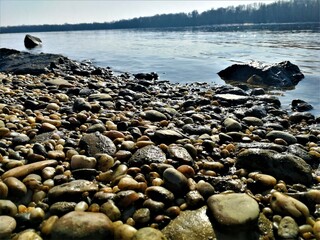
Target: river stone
{"x":233,"y":211}
{"x":289,"y":138}
{"x":83,"y":226}
{"x":24,"y":170}
{"x":99,"y":97}
{"x":147,"y":155}
{"x":288,"y":228}
{"x":7,"y":226}
{"x":288,"y":167}
{"x":175,"y":181}
{"x":191,"y":225}
{"x":254,"y":121}
{"x":167,"y":135}
{"x":232,"y":125}
{"x":297,"y":117}
{"x":60,"y":82}
{"x":154,"y":115}
{"x":148,"y":233}
{"x":71,"y":190}
{"x":180,"y":153}
{"x":7,"y":207}
{"x":195,"y":129}
{"x":95,"y":143}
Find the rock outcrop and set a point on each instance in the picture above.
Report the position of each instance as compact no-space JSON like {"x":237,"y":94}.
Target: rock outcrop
{"x":282,"y":75}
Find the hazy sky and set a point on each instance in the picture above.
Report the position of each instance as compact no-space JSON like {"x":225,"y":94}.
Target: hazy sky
{"x":35,"y":12}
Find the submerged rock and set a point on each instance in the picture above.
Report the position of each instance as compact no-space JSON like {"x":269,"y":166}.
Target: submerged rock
{"x":283,"y":74}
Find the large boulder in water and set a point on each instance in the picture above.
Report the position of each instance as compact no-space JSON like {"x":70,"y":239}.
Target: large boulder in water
{"x":282,"y":75}
{"x":31,"y":41}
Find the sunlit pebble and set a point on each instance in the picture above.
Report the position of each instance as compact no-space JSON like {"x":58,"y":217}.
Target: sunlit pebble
{"x":81,"y":206}
{"x":186,"y":170}
{"x":47,"y":225}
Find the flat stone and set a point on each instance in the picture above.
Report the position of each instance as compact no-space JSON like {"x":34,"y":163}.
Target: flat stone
{"x":232,"y":98}
{"x":167,"y":135}
{"x":71,"y":190}
{"x":60,"y":82}
{"x":191,"y":225}
{"x":233,"y":211}
{"x":284,"y":166}
{"x":147,"y":155}
{"x":95,"y":143}
{"x":24,"y":170}
{"x":83,"y":226}
{"x":254,"y":121}
{"x":289,"y":138}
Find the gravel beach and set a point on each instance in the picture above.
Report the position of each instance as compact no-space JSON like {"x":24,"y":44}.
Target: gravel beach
{"x":89,"y":154}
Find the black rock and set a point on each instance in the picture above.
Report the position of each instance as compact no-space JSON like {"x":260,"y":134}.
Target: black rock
{"x":31,"y":41}
{"x":282,"y":75}
{"x":300,"y":105}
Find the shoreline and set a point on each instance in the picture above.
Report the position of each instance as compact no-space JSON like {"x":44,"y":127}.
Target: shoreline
{"x":78,"y":142}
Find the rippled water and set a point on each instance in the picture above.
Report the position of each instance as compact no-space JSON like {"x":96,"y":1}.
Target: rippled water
{"x":193,"y":54}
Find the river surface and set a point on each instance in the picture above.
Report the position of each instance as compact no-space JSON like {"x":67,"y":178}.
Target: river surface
{"x":185,"y":55}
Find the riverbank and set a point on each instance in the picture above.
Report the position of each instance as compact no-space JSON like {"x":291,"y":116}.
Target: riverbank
{"x":123,"y":155}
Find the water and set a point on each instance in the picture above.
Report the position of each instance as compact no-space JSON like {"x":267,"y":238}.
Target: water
{"x":187,"y":55}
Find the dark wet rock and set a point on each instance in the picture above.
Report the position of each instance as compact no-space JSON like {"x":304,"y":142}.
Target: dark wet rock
{"x":300,"y":151}
{"x":95,"y":143}
{"x":196,"y":129}
{"x":191,"y":225}
{"x":25,"y":63}
{"x":31,"y":41}
{"x":20,"y":139}
{"x":289,"y":138}
{"x":297,"y":117}
{"x":283,"y":74}
{"x":71,"y":190}
{"x":80,"y":104}
{"x":175,"y":181}
{"x":62,"y":208}
{"x":262,"y":145}
{"x":233,"y":211}
{"x":257,"y":91}
{"x":83,"y":226}
{"x":286,"y":166}
{"x":225,"y":138}
{"x":180,"y":154}
{"x":256,"y":111}
{"x":167,"y":135}
{"x":160,"y":194}
{"x":147,"y":76}
{"x":300,"y":105}
{"x":228,"y":89}
{"x":147,"y":155}
{"x":194,"y":199}
{"x":99,"y":97}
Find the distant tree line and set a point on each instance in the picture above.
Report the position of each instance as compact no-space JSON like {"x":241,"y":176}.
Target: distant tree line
{"x":281,"y":11}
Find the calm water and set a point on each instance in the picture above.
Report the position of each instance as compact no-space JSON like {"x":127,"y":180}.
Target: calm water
{"x":193,"y":54}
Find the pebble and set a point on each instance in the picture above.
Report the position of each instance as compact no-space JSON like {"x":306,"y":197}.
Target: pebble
{"x":148,"y":233}
{"x":233,"y":210}
{"x":288,"y":228}
{"x":7,"y":226}
{"x":93,"y":226}
{"x":175,"y":181}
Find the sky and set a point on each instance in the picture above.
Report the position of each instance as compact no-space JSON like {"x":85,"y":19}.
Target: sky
{"x":38,"y":12}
